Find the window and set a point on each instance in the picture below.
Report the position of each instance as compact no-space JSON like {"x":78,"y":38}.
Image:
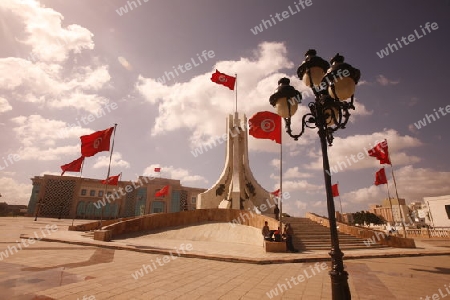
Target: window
{"x":447,"y":210}
{"x":100,"y":193}
{"x":92,"y":193}
{"x":83,"y":192}
{"x":194,"y":200}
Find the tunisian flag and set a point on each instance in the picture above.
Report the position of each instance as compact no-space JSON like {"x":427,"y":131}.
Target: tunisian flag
{"x":162,"y":192}
{"x":380,"y":177}
{"x":223,"y":79}
{"x":335,"y":190}
{"x":112,"y":180}
{"x":265,"y":125}
{"x":74,"y":166}
{"x":96,"y":142}
{"x":381,"y":152}
{"x":276,"y":193}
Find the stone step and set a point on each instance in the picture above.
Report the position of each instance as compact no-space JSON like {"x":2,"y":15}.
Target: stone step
{"x":309,"y":235}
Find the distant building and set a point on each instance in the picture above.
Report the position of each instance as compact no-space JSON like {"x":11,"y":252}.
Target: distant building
{"x":76,"y":197}
{"x":419,"y":213}
{"x":439,"y":210}
{"x":11,"y":209}
{"x":344,"y":218}
{"x":393,"y":211}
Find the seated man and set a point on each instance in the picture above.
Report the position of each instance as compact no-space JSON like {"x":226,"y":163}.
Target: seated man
{"x":277,"y":235}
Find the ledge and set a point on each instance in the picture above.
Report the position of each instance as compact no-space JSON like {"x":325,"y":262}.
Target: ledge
{"x":276,"y":247}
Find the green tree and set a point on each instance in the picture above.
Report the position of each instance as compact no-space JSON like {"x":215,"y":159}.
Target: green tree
{"x":368,"y":217}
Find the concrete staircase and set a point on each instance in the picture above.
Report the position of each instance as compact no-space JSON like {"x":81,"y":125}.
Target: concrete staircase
{"x":309,"y":235}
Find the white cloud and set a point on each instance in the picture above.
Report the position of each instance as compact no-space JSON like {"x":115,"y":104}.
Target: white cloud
{"x":293,"y":173}
{"x":44,"y":80}
{"x":35,"y":129}
{"x":301,"y":205}
{"x":343,"y":155}
{"x":384,"y":81}
{"x":301,"y":185}
{"x":4,"y":105}
{"x":44,"y":32}
{"x":38,"y":139}
{"x":174,"y":173}
{"x":256,"y":80}
{"x":413,"y":184}
{"x":41,"y":154}
{"x":13,"y":191}
{"x":116,"y":161}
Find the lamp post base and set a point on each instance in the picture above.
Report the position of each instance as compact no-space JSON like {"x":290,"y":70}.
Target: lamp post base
{"x":339,"y":277}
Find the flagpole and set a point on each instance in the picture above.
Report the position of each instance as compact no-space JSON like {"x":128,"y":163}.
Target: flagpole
{"x":235,"y":90}
{"x":81,"y":172}
{"x":396,"y":193}
{"x":109,"y":171}
{"x":340,"y":203}
{"x":82,"y":165}
{"x":112,"y":149}
{"x":280,"y":197}
{"x":390,"y":202}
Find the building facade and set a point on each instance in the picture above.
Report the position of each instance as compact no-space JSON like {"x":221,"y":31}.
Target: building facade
{"x":439,"y":210}
{"x":86,"y":198}
{"x":393,"y":210}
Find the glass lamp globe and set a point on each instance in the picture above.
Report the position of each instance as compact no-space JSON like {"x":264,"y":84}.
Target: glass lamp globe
{"x":344,"y":88}
{"x":286,"y":107}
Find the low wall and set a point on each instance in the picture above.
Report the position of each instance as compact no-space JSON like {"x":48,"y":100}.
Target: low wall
{"x":376,"y":236}
{"x":187,"y":218}
{"x":425,"y":233}
{"x":95,"y":225}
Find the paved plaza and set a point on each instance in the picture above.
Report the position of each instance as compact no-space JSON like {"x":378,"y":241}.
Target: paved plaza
{"x":76,"y":267}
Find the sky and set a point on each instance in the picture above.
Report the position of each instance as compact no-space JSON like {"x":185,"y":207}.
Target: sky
{"x":70,"y":68}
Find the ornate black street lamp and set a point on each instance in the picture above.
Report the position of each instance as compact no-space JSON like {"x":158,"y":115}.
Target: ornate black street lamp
{"x":329,"y":112}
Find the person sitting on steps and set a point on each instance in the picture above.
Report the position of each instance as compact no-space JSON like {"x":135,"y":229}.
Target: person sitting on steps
{"x":277,"y":235}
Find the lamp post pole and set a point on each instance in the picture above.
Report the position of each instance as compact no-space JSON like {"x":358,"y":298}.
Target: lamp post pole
{"x":328,"y":113}
{"x":339,"y":285}
{"x":38,"y":208}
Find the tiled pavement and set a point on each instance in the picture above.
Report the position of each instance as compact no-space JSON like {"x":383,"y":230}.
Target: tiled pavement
{"x":53,"y":270}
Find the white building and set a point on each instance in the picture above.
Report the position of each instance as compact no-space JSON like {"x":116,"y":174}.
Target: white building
{"x":439,"y":210}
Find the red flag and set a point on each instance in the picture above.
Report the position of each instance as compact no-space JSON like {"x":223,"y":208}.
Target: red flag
{"x":380,"y":177}
{"x":265,"y":125}
{"x":162,"y":192}
{"x":335,"y":190}
{"x":96,"y":142}
{"x":381,"y":152}
{"x":276,"y":193}
{"x":223,"y":79}
{"x":74,"y":166}
{"x":112,"y":180}
{"x":157,"y":169}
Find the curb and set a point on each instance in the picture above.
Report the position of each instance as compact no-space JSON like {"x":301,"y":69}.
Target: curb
{"x":258,"y":261}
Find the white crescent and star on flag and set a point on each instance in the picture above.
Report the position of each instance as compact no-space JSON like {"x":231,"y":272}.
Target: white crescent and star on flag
{"x":267,"y":125}
{"x":97,"y":142}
